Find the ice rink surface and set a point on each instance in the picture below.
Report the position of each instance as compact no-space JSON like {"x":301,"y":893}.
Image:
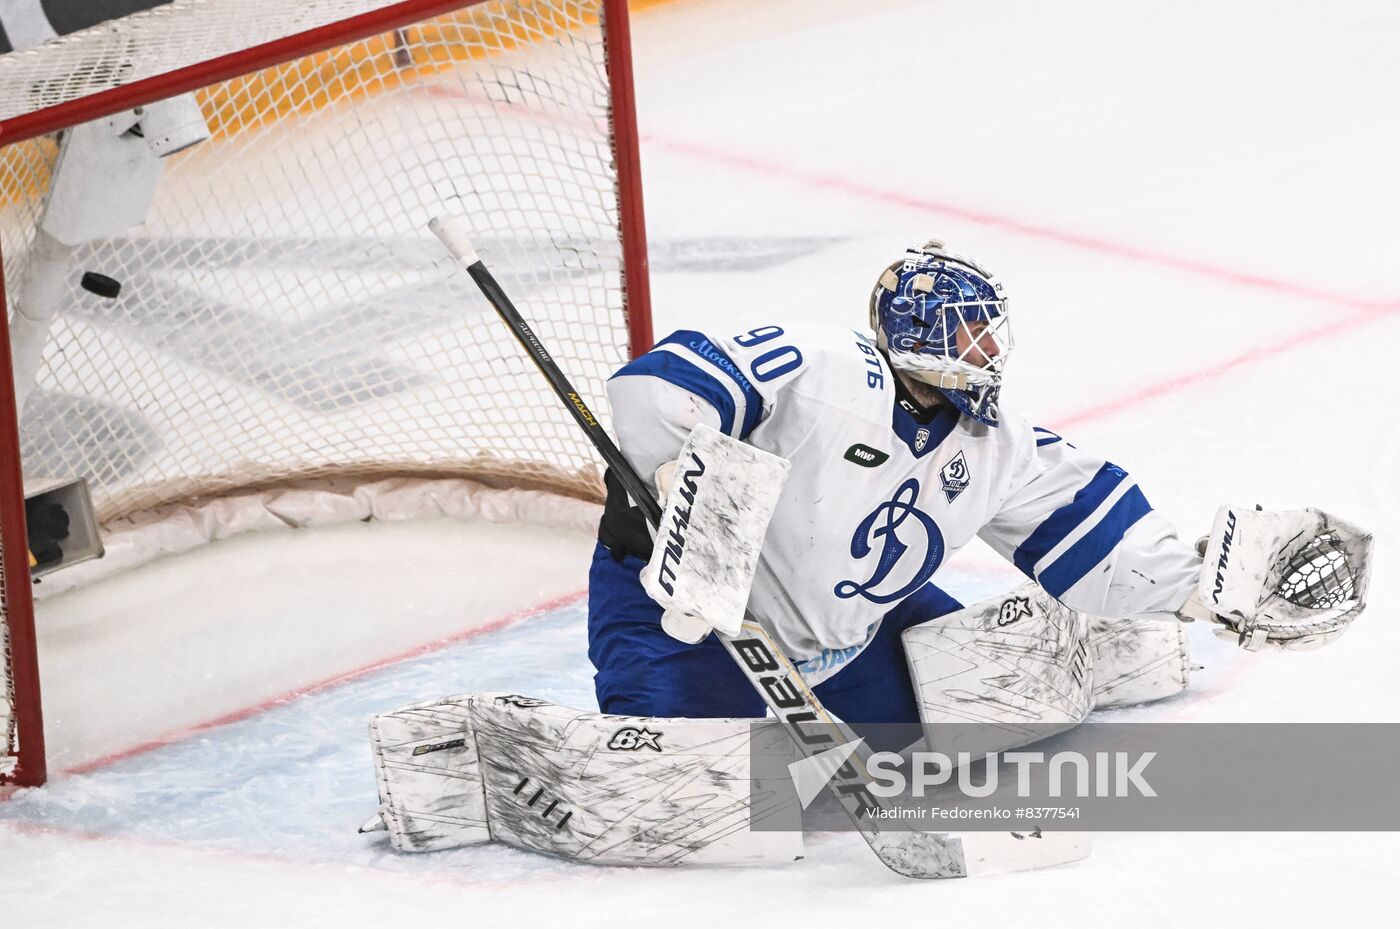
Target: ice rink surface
{"x":1192,"y":208}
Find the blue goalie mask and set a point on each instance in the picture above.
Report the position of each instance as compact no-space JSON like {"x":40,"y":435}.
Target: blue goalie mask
{"x":942,"y":320}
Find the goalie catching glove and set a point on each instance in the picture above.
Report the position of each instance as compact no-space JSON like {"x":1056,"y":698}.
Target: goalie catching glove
{"x":1290,"y":579}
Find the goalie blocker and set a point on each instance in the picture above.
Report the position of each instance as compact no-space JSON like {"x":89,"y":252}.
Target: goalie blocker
{"x":720,"y":494}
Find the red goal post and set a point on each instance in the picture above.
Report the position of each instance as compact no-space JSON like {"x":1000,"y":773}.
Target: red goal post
{"x":283,"y":316}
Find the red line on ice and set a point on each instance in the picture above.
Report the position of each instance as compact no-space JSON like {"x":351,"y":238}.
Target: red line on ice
{"x":447,"y":877}
{"x":1370,"y":310}
{"x":1219,"y":368}
{"x":901,"y":198}
{"x":494,"y":625}
{"x":1367,"y":310}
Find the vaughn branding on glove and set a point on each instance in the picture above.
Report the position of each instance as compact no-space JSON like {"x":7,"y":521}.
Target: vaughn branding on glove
{"x":1226,"y":539}
{"x":675,"y":539}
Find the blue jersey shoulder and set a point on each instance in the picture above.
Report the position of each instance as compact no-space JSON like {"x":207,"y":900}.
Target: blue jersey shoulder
{"x":694,"y":362}
{"x":743,"y":375}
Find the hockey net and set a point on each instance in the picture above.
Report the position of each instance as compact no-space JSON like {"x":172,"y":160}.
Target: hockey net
{"x":284,"y":317}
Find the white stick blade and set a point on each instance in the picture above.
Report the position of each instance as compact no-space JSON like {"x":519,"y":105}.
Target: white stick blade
{"x":455,"y":234}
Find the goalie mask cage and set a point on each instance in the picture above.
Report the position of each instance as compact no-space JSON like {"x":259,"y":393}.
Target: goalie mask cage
{"x":284,"y":316}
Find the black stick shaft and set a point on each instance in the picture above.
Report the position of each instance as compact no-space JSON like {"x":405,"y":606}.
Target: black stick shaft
{"x":637,"y":489}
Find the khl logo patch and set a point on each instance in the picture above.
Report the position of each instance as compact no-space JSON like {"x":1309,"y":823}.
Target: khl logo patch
{"x":955,"y":477}
{"x":920,"y":439}
{"x":883,"y":526}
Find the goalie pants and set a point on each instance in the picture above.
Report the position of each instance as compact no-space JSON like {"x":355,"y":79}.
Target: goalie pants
{"x":642,"y":671}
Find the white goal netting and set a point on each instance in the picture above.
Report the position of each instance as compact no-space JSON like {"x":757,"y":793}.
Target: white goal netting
{"x":284,"y":314}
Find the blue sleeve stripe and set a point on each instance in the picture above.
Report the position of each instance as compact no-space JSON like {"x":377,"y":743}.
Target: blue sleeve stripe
{"x":1063,"y":521}
{"x":674,"y":369}
{"x":1083,"y":556}
{"x":701,"y":345}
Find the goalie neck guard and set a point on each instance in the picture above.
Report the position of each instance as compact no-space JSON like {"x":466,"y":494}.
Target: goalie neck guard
{"x":941,"y":319}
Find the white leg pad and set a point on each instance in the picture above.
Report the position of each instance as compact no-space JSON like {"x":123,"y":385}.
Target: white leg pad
{"x":621,"y":790}
{"x":1138,"y":660}
{"x":1018,"y":665}
{"x":429,"y":776}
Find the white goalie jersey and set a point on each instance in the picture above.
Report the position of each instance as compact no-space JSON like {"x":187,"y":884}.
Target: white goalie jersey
{"x":879,"y":498}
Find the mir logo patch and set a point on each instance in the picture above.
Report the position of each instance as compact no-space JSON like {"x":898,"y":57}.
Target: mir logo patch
{"x":865,"y":456}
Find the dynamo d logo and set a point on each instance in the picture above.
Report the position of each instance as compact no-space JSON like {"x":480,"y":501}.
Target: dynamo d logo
{"x":898,"y":528}
{"x":955,"y":476}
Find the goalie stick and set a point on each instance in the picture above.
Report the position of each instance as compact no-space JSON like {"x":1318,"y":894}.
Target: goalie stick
{"x":769,"y":671}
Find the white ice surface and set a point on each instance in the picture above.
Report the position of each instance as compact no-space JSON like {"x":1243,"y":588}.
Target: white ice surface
{"x":1192,"y":207}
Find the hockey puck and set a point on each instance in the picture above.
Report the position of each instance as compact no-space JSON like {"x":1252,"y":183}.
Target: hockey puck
{"x":101,"y":284}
